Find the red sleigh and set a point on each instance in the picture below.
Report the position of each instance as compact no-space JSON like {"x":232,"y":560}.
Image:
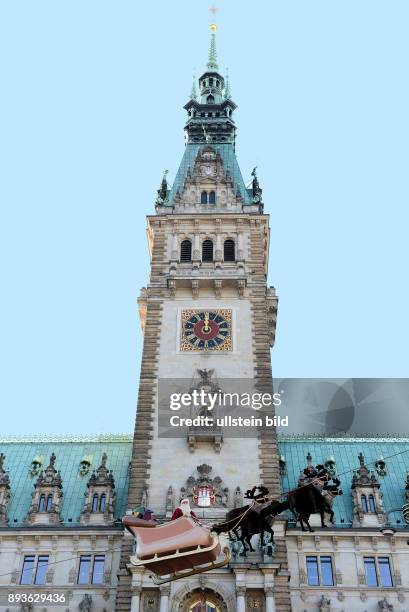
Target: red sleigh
{"x":176,"y":549}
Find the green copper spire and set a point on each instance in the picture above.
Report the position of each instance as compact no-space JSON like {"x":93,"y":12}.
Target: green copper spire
{"x":212,"y":65}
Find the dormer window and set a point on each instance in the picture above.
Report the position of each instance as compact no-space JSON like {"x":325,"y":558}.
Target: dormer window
{"x":212,"y":197}
{"x":102,"y":503}
{"x":41,"y":503}
{"x":203,"y":197}
{"x":49,"y":503}
{"x":95,"y":503}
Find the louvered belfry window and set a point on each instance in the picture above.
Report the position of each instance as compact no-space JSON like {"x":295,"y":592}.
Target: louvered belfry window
{"x":229,"y":254}
{"x":186,"y":251}
{"x":207,"y":250}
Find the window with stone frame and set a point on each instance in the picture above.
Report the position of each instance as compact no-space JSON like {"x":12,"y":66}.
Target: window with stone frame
{"x":229,"y":250}
{"x":34,"y":570}
{"x":320,"y":570}
{"x":207,"y":250}
{"x":186,"y":250}
{"x":91,"y":569}
{"x":378,"y":572}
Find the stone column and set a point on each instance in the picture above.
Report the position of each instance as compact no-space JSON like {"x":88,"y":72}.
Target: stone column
{"x":196,"y":247}
{"x":239,"y":247}
{"x":164,"y":599}
{"x":136,"y":598}
{"x":270,"y":603}
{"x":241,"y":599}
{"x":175,"y":246}
{"x":218,"y":254}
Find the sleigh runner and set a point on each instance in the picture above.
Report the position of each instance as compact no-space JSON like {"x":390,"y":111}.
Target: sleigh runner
{"x":176,"y":549}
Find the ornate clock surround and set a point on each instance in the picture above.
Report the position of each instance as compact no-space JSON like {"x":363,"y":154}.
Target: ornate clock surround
{"x":206,"y":329}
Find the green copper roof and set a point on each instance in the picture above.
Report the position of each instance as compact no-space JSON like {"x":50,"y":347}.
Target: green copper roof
{"x":69,"y":452}
{"x":345,"y":452}
{"x":230,"y":163}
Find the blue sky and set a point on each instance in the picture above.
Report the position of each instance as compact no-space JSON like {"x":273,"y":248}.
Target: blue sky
{"x":91,"y":115}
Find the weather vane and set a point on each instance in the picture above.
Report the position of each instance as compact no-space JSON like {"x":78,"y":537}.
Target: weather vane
{"x":213,"y":9}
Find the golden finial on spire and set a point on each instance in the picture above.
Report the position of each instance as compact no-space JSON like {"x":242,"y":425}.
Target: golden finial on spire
{"x":213,"y":27}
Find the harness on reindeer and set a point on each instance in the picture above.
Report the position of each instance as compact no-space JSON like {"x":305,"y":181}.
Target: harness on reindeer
{"x":176,"y":549}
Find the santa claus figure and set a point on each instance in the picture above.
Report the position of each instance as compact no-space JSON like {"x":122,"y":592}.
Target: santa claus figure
{"x":183,"y":510}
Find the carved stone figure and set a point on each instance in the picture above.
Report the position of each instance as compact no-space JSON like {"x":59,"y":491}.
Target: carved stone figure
{"x":4,"y":491}
{"x":324,"y":604}
{"x":163,"y":190}
{"x":85,"y":604}
{"x":384,"y":606}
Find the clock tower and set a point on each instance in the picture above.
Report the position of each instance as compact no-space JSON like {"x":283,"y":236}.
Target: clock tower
{"x":208,"y":319}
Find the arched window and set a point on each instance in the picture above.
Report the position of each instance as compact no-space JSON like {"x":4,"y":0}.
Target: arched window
{"x":41,"y":503}
{"x":229,"y":254}
{"x":210,"y":99}
{"x":95,"y":503}
{"x":210,"y":81}
{"x":364,"y":503}
{"x":212,"y":197}
{"x":49,"y":503}
{"x":203,"y":197}
{"x":207,"y":250}
{"x":372,"y":506}
{"x":186,"y":250}
{"x":102,"y":503}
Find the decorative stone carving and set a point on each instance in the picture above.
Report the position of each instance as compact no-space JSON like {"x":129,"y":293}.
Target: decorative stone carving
{"x":205,"y":491}
{"x":381,"y":467}
{"x":331,"y":465}
{"x":99,"y":497}
{"x":85,"y":604}
{"x":255,"y":601}
{"x":283,"y":465}
{"x":36,"y":466}
{"x":405,"y":509}
{"x":162,"y":192}
{"x":384,"y":606}
{"x":207,"y":383}
{"x":271,"y":313}
{"x":366,"y":497}
{"x":169,"y":501}
{"x":150,"y":601}
{"x":324,"y":604}
{"x":47,"y":497}
{"x":85,"y":465}
{"x":4,"y":491}
{"x":238,"y":498}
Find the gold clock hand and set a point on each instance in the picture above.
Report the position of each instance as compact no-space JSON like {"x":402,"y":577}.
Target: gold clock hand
{"x":206,"y":326}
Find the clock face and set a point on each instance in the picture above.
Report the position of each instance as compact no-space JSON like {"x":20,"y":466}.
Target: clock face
{"x":206,"y":329}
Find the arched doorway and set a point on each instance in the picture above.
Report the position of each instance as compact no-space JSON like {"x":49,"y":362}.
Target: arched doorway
{"x":203,"y":601}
